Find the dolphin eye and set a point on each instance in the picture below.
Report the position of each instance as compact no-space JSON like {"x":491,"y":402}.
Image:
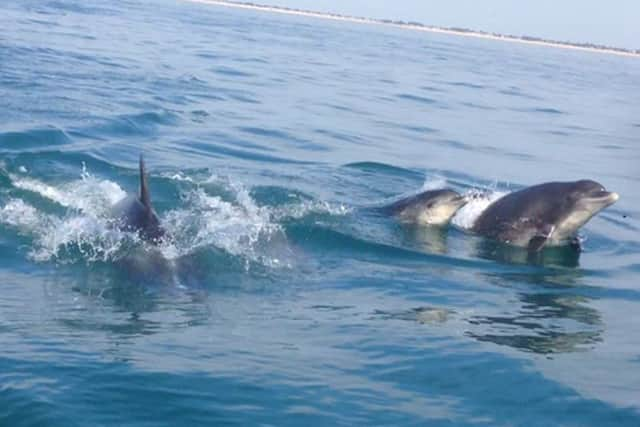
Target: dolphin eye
{"x":430,"y":205}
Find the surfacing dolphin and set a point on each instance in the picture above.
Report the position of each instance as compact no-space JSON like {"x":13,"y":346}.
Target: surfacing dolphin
{"x":548,"y":214}
{"x":135,"y":213}
{"x":433,"y":207}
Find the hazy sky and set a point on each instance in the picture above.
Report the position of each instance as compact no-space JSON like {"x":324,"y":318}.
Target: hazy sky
{"x":610,"y":22}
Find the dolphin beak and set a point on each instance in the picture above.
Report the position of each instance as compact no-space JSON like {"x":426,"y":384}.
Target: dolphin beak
{"x":604,"y":198}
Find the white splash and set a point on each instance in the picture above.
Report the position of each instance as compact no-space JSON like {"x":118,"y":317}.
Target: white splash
{"x":478,"y":202}
{"x":84,"y":228}
{"x":90,"y":236}
{"x":434,"y":183}
{"x":19,"y":214}
{"x":308,"y":207}
{"x":178,"y":176}
{"x":89,"y":194}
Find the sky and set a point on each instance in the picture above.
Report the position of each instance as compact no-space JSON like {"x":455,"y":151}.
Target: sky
{"x":611,"y":22}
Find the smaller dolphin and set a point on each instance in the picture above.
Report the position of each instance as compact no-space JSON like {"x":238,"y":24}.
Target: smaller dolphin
{"x":433,"y":207}
{"x":548,"y":214}
{"x":135,"y":213}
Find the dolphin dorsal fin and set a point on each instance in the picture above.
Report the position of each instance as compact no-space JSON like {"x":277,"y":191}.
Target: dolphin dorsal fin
{"x":145,"y":196}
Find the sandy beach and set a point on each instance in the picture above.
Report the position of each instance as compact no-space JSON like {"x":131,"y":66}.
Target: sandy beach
{"x":430,"y":29}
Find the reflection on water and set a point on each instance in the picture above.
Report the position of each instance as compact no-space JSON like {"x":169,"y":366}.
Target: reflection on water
{"x":542,"y":323}
{"x":422,"y":315}
{"x":424,"y":238}
{"x":565,"y":256}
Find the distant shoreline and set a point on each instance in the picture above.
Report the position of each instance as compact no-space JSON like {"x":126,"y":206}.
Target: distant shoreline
{"x":420,"y":27}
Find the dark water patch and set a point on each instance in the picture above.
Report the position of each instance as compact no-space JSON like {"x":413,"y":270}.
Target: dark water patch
{"x":578,"y":128}
{"x":340,"y":136}
{"x":478,"y":106}
{"x":141,"y":124}
{"x":42,"y":22}
{"x":422,"y":129}
{"x":614,"y":147}
{"x":558,"y":133}
{"x":541,"y":110}
{"x":416,"y":98}
{"x":209,"y":55}
{"x":433,"y":89}
{"x":344,"y":108}
{"x":517,"y":92}
{"x":199,"y":116}
{"x":283,"y":137}
{"x":259,"y":60}
{"x":452,"y":143}
{"x":382,"y":168}
{"x":239,"y":142}
{"x":243,"y":97}
{"x":220,"y":151}
{"x":466,"y":85}
{"x":270,"y":133}
{"x":42,"y":138}
{"x":233,"y":72}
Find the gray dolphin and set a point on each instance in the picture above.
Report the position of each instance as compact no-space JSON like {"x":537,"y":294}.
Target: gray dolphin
{"x":135,"y":213}
{"x":433,"y":207}
{"x":548,"y":214}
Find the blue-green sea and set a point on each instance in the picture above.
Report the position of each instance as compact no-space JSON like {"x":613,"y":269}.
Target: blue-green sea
{"x":279,"y":298}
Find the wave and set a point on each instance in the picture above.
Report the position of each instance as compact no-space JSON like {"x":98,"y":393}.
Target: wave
{"x":214,"y":214}
{"x":33,"y":138}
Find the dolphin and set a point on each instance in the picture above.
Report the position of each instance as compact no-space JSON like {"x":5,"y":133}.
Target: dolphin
{"x":548,"y":214}
{"x":433,"y":207}
{"x":135,"y":213}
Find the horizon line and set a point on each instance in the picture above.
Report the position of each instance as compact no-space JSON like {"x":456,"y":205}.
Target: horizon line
{"x":416,"y":26}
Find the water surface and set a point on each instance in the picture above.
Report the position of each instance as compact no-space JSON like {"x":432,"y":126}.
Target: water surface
{"x":280,"y":299}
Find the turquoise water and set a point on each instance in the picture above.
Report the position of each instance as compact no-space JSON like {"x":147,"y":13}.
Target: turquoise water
{"x":280,"y":299}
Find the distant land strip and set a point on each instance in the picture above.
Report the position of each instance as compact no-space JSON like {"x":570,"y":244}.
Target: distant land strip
{"x":417,"y":26}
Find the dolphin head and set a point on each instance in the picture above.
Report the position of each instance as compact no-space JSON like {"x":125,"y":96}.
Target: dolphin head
{"x":433,"y":207}
{"x":443,"y":206}
{"x":582,"y":200}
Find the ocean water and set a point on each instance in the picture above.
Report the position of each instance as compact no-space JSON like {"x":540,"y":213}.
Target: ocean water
{"x":279,"y":299}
